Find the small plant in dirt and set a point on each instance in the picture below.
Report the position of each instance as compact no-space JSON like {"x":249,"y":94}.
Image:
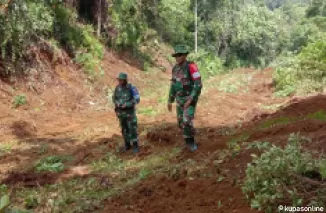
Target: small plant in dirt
{"x":228,"y":131}
{"x":19,"y":100}
{"x":109,"y":163}
{"x":320,"y":115}
{"x":51,"y":164}
{"x":144,"y":173}
{"x":6,"y":147}
{"x":259,"y":145}
{"x":5,"y":203}
{"x":235,"y":143}
{"x":284,"y":176}
{"x":31,"y":202}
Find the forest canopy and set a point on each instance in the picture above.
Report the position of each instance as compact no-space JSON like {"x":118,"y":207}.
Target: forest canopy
{"x":230,"y":34}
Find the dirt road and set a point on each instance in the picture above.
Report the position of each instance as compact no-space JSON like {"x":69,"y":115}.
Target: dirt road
{"x":66,"y":119}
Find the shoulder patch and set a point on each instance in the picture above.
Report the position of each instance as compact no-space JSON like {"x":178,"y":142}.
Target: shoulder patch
{"x":194,"y":72}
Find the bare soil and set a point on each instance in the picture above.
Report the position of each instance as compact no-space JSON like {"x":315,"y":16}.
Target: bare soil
{"x":67,"y":116}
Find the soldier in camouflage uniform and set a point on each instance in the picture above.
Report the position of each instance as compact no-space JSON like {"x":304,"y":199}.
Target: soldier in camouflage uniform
{"x":125,"y":110}
{"x":185,"y":89}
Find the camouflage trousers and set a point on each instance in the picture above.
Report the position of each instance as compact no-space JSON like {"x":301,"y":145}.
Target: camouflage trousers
{"x":128,"y":124}
{"x":185,"y":120}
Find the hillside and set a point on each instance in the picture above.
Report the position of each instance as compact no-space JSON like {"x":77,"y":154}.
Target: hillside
{"x":162,"y":177}
{"x":260,"y":118}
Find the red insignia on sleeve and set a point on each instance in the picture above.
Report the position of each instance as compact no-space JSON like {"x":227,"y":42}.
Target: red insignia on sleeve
{"x":194,"y":72}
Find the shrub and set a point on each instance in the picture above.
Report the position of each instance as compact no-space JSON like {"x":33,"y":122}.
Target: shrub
{"x":78,"y":40}
{"x":208,"y":63}
{"x":305,"y":72}
{"x":284,"y":176}
{"x":20,"y":25}
{"x":24,"y":23}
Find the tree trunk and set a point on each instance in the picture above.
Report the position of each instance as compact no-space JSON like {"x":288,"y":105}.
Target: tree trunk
{"x":99,"y":17}
{"x":196,"y":30}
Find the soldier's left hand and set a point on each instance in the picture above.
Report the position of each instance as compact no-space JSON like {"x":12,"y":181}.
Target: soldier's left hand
{"x":187,"y":104}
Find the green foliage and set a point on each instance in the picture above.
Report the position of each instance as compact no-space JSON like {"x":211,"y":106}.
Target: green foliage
{"x":277,"y":121}
{"x":322,"y":168}
{"x":320,"y":115}
{"x":300,"y":36}
{"x":23,"y":21}
{"x":110,"y":162}
{"x":259,"y":145}
{"x":78,"y":40}
{"x":317,"y":8}
{"x":149,"y":111}
{"x":208,"y":64}
{"x":27,"y":22}
{"x":305,"y":72}
{"x":143,"y":173}
{"x":170,"y":26}
{"x":4,"y":202}
{"x":19,"y":100}
{"x":234,"y":82}
{"x":31,"y":202}
{"x":51,"y":164}
{"x":129,"y":23}
{"x":275,"y":177}
{"x":255,"y":41}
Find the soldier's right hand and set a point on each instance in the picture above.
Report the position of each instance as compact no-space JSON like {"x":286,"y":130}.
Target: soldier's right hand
{"x":169,"y":107}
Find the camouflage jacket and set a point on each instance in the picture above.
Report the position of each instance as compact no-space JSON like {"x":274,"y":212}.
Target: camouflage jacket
{"x":123,"y":96}
{"x":185,"y":83}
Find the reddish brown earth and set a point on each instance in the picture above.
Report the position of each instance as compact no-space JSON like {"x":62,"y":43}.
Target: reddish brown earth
{"x":73,"y":118}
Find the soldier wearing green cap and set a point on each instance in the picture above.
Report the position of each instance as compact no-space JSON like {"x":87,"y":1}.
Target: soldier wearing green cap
{"x":185,"y":89}
{"x":125,"y":109}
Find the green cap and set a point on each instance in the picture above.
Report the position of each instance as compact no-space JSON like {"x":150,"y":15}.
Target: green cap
{"x":180,"y":49}
{"x":122,"y":76}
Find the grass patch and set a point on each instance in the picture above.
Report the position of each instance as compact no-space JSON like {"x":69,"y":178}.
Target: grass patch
{"x":66,"y":196}
{"x":320,"y":115}
{"x":118,"y":167}
{"x":233,"y":82}
{"x":239,"y":139}
{"x":277,"y":121}
{"x":52,"y":164}
{"x":150,"y":111}
{"x":6,"y":147}
{"x":114,"y":174}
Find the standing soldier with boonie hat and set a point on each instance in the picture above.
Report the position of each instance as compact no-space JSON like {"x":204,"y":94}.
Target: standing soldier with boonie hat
{"x":124,"y":101}
{"x":185,"y":88}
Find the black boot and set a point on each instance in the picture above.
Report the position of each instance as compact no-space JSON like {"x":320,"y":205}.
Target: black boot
{"x":190,"y":142}
{"x":126,"y":146}
{"x":135,"y":147}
